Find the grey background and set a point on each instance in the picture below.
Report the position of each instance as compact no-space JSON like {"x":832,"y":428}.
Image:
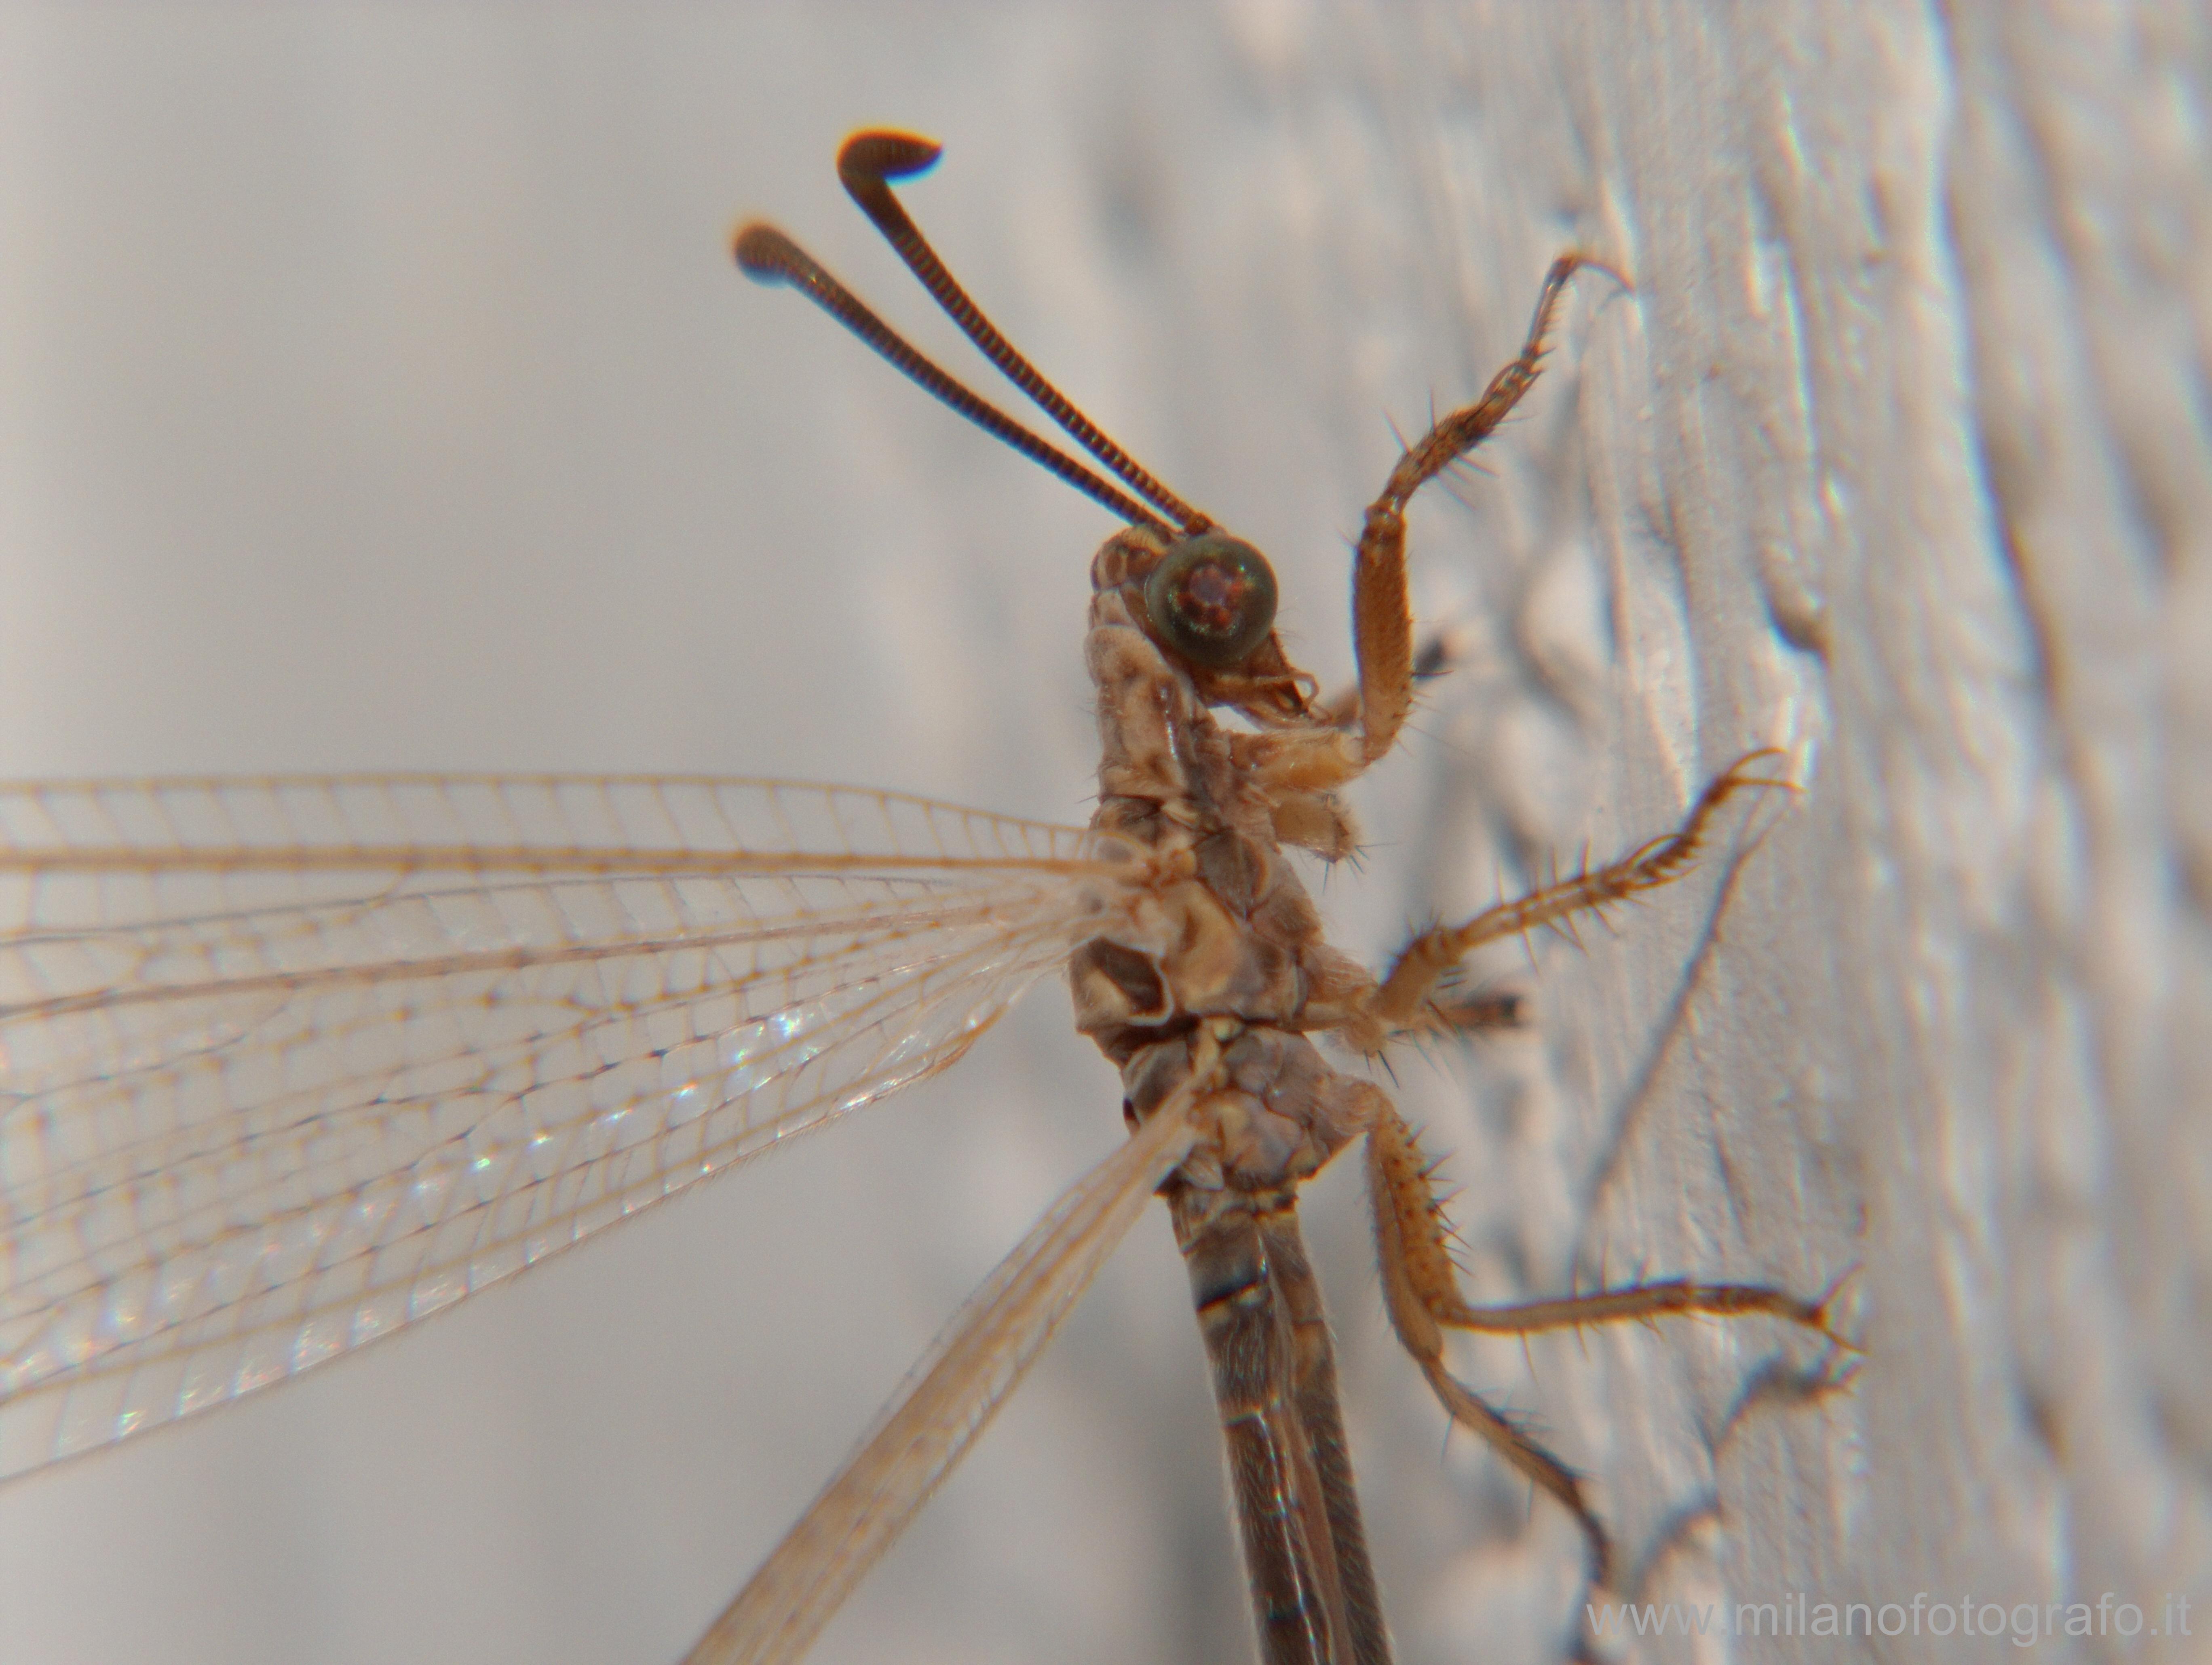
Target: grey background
{"x":374,"y":392}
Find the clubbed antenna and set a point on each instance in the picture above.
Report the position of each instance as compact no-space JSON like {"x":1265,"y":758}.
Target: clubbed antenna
{"x":867,"y":163}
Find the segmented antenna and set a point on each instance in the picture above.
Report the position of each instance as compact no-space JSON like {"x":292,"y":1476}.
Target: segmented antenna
{"x":866,"y":163}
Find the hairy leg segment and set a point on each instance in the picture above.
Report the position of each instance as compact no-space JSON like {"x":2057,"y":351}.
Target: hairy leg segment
{"x":1419,"y":1281}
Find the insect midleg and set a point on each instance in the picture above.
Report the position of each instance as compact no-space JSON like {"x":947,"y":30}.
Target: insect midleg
{"x":1470,"y":1012}
{"x":1400,"y":1002}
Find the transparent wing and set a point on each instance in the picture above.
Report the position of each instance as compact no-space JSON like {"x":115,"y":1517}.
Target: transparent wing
{"x":288,"y":1064}
{"x":945,"y":1403}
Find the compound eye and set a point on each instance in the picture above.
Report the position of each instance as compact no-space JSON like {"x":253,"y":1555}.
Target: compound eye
{"x":1212,"y":600}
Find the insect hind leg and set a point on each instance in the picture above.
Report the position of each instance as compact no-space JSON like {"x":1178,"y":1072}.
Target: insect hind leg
{"x":1420,"y":1289}
{"x":1417,"y":1280}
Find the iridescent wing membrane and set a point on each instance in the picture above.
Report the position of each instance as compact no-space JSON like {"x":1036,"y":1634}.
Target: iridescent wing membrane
{"x":286,"y":1065}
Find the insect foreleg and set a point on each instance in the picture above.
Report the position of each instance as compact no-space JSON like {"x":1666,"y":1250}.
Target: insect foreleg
{"x":1433,"y":656}
{"x":1382,"y":622}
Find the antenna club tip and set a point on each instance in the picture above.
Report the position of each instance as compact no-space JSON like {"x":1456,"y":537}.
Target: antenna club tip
{"x":760,"y":249}
{"x":878,"y":153}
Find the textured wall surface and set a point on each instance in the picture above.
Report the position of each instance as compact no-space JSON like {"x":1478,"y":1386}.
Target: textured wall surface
{"x":374,"y":392}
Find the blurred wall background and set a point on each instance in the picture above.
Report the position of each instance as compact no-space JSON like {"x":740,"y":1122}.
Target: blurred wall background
{"x":375,"y":393}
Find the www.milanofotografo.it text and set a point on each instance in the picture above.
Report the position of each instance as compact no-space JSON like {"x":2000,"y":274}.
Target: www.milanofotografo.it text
{"x":1800,"y":1612}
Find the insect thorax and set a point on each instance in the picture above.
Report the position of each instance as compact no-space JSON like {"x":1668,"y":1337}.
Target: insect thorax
{"x":1213,"y":927}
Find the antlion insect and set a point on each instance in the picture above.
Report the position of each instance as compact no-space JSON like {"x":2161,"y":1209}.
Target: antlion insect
{"x":291,"y":1063}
